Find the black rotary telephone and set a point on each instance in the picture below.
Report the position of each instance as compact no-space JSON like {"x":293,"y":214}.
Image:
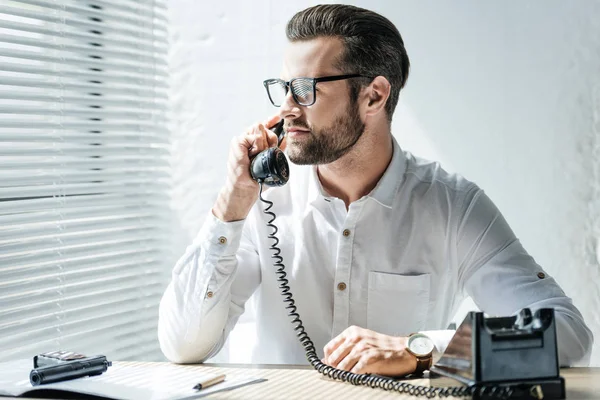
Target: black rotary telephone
{"x":494,"y":358}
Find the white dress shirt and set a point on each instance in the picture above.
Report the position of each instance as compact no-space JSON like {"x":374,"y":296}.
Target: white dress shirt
{"x":399,"y":260}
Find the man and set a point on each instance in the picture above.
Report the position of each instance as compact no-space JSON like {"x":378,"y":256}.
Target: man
{"x":377,"y":244}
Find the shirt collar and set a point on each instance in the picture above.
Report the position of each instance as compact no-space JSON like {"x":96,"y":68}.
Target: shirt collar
{"x":386,"y":188}
{"x":315,"y":190}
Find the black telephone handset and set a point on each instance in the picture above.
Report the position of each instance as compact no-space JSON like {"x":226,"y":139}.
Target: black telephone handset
{"x":486,"y":371}
{"x":270,"y":166}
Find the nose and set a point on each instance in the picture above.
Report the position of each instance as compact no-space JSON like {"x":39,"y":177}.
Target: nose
{"x":289,"y":109}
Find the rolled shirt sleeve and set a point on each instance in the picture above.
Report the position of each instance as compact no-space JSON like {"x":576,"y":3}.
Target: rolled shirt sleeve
{"x":207,"y":292}
{"x":502,"y":278}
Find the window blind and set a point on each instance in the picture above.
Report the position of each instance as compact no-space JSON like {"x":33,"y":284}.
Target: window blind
{"x":84,"y":172}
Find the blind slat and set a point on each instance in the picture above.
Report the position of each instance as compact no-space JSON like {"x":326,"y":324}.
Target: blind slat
{"x":106,"y":264}
{"x":85,"y":62}
{"x":121,"y":103}
{"x":112,"y":137}
{"x":147,"y":33}
{"x":112,"y":348}
{"x":52,"y":217}
{"x":93,"y":88}
{"x":82,"y":150}
{"x":98,"y":127}
{"x":97,"y":200}
{"x":144,"y":114}
{"x":122,"y":15}
{"x":83,"y":189}
{"x":37,"y":229}
{"x":41,"y":316}
{"x":70,"y":297}
{"x":91,"y":125}
{"x":126,"y":42}
{"x":63,"y":282}
{"x":101,"y":320}
{"x":106,"y":77}
{"x":90,"y":236}
{"x":133,"y":6}
{"x":89,"y":49}
{"x":81,"y":257}
{"x":70,"y":162}
{"x":83,"y":335}
{"x":44,"y":248}
{"x":17,"y":178}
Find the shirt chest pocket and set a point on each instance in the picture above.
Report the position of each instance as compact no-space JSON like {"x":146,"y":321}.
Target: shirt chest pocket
{"x":397,"y":305}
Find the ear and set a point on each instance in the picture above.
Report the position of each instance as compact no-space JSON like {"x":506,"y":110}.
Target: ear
{"x":376,"y":95}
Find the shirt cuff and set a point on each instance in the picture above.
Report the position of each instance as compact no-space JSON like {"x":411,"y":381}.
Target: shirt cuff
{"x":440,"y":339}
{"x":219,"y":238}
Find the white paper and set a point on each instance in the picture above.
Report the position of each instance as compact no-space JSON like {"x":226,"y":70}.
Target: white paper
{"x":122,"y":382}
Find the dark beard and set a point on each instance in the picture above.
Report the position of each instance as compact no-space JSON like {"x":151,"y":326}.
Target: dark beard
{"x":328,"y":144}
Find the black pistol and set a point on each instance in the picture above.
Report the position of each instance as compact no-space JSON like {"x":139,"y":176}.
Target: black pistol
{"x":57,"y":367}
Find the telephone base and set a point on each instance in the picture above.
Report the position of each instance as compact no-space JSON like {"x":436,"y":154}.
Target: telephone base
{"x":547,"y":389}
{"x":519,"y":352}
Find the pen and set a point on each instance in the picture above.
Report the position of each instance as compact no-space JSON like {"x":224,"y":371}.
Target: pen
{"x":209,"y":382}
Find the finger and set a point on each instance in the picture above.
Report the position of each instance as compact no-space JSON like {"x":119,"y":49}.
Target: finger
{"x":251,"y":144}
{"x":258,"y":138}
{"x":272,"y":121}
{"x":349,"y":361}
{"x":270,"y":136}
{"x":238,"y":162}
{"x":339,"y":354}
{"x":332,"y":345}
{"x":367,"y":362}
{"x":360,"y":367}
{"x":240,"y":147}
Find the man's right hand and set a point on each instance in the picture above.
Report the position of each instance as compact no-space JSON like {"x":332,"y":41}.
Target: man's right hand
{"x":240,"y":192}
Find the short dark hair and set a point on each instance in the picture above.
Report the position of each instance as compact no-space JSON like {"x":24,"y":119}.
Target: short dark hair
{"x":372,"y":44}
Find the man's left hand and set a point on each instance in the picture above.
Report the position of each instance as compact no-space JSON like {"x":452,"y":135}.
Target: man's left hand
{"x":363,"y":351}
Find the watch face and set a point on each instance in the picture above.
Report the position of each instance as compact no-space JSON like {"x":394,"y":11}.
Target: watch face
{"x":420,"y":344}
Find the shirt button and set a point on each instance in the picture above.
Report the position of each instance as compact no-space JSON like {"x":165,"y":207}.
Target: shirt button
{"x":346,"y":232}
{"x":209,"y":294}
{"x":222,"y":240}
{"x":541,"y":275}
{"x":341,"y":286}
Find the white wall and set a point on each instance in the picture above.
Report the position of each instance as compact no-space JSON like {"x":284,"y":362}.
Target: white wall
{"x":505,"y":93}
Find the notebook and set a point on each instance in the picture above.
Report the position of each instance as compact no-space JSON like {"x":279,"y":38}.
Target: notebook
{"x":152,"y":381}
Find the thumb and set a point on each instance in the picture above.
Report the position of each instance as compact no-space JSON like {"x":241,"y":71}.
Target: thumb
{"x":272,"y":121}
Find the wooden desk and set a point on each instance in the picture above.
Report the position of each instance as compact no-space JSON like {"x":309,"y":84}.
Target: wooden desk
{"x":302,"y":382}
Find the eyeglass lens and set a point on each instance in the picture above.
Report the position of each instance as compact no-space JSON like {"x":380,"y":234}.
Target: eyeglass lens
{"x":302,"y":89}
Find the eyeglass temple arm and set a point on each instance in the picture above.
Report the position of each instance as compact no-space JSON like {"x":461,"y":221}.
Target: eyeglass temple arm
{"x":337,"y":78}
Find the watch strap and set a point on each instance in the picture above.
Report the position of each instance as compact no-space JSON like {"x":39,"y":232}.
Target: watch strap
{"x":423,"y":363}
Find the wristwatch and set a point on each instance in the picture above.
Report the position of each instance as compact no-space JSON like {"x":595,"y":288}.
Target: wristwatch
{"x":421,"y":346}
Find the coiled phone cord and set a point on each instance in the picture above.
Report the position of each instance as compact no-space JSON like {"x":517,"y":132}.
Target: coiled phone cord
{"x":374,"y":381}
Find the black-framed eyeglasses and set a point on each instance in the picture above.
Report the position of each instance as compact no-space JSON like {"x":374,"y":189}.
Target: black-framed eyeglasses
{"x":304,"y":91}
